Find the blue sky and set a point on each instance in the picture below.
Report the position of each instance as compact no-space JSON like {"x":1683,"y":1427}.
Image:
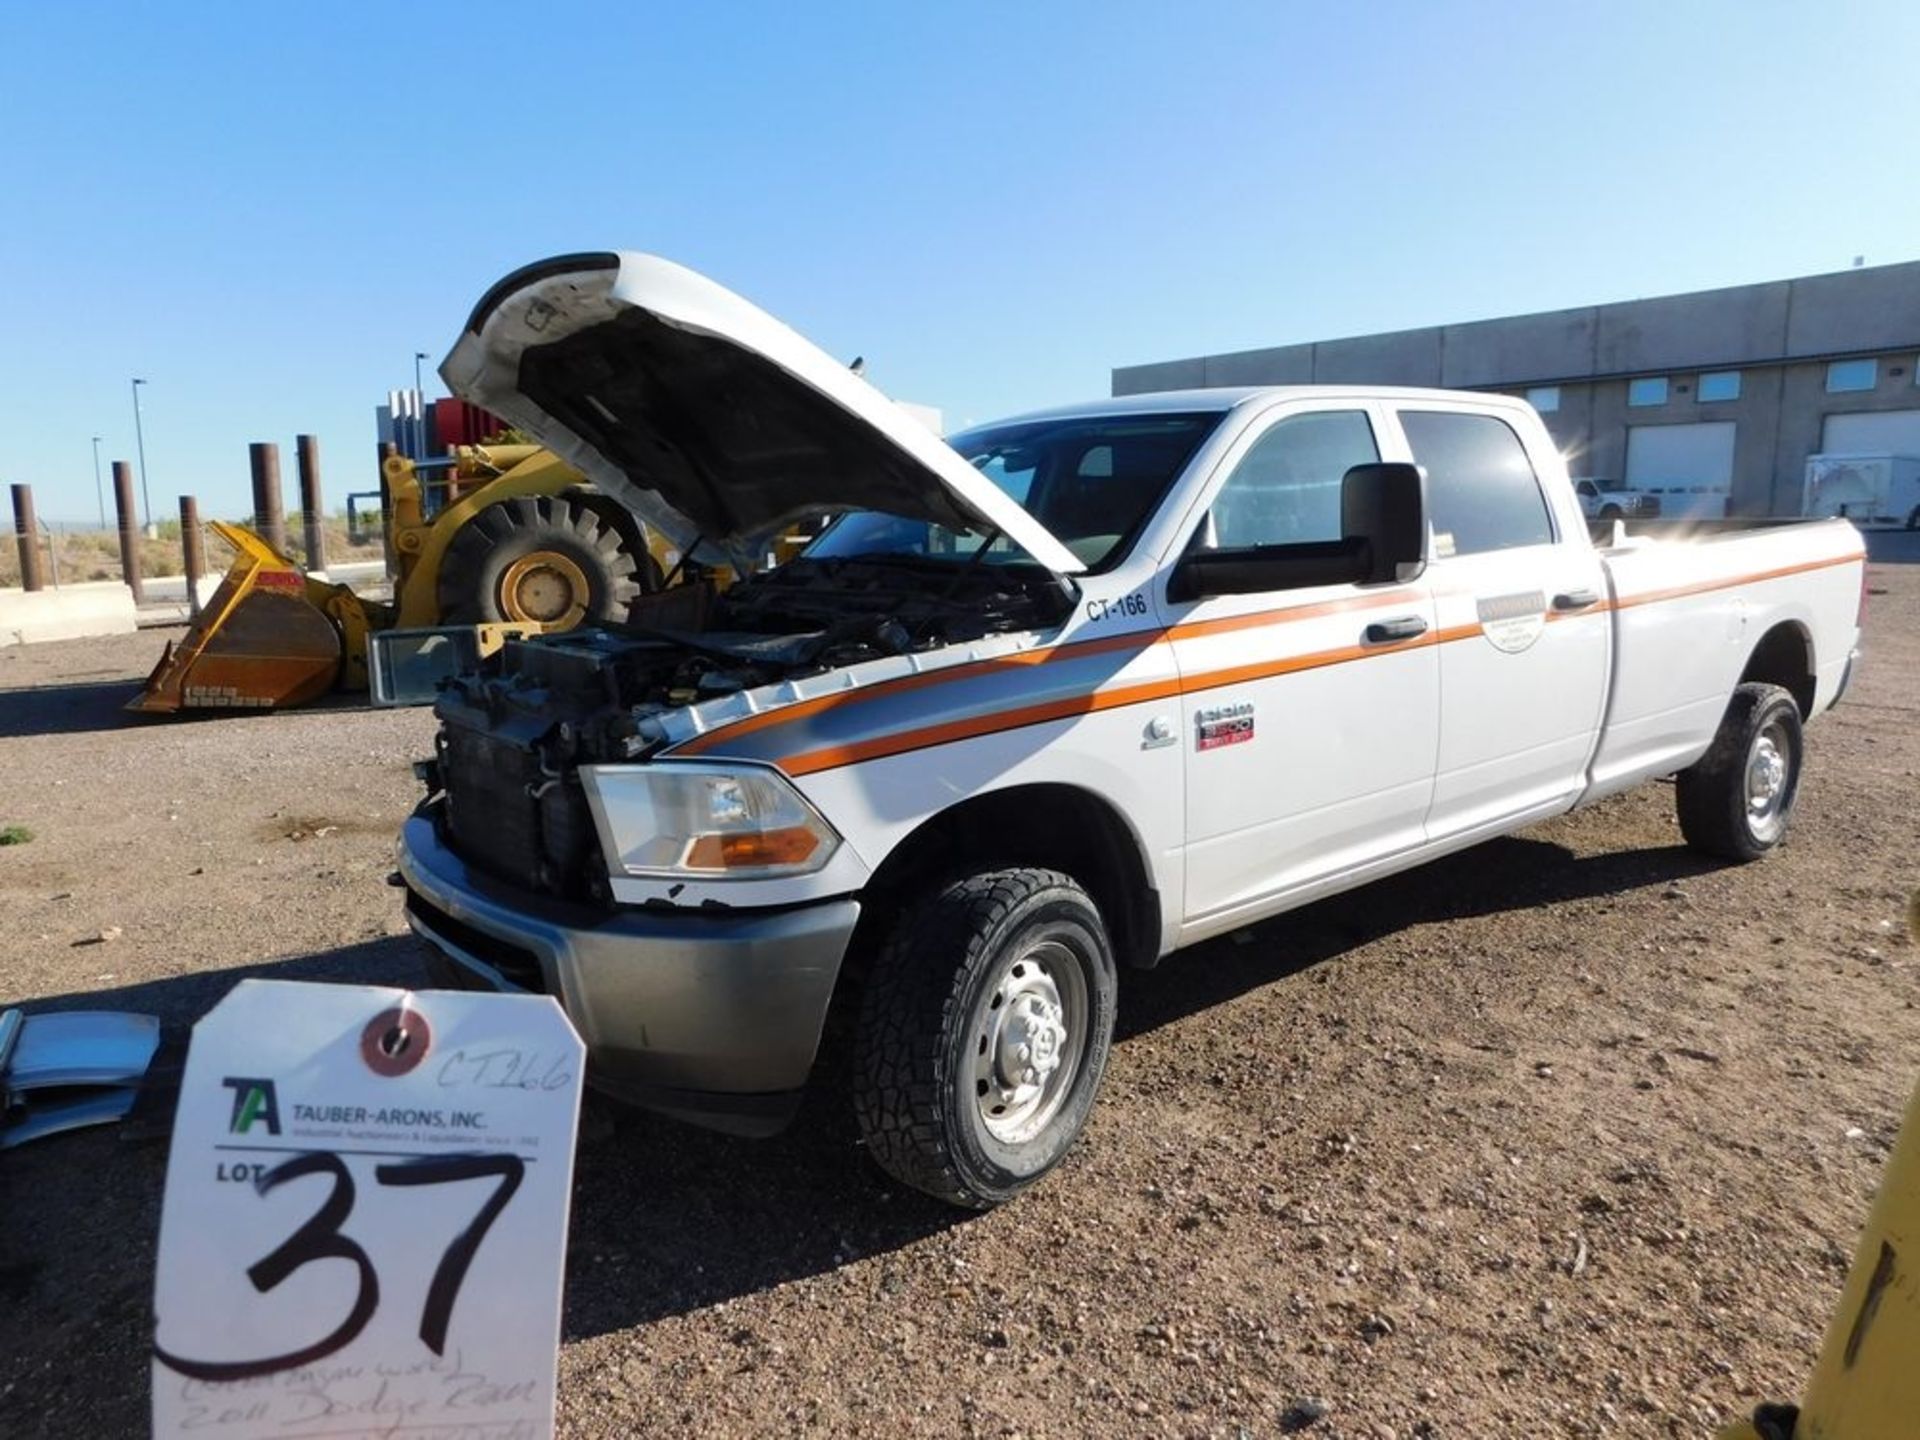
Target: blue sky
{"x":265,"y":210}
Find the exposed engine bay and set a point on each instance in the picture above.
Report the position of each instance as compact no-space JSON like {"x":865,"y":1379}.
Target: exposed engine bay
{"x":513,"y":730}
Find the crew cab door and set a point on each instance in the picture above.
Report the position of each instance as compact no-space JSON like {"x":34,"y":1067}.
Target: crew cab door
{"x":1522,"y":622}
{"x":1309,"y":716}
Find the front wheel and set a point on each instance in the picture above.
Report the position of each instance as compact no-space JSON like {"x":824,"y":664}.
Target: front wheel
{"x":1611,"y":513}
{"x":983,"y":1035}
{"x":1735,"y":801}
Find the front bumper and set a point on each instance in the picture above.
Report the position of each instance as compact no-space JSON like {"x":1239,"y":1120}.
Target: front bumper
{"x":713,"y":1017}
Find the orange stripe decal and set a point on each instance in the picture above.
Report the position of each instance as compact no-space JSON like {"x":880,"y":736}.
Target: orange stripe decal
{"x":1678,"y":591}
{"x":833,"y":757}
{"x":1071,"y":650}
{"x":947,"y":732}
{"x":968,"y":670}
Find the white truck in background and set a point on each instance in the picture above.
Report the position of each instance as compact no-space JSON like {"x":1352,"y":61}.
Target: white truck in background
{"x":1608,"y":500}
{"x":1053,"y":696}
{"x":1866,"y":489}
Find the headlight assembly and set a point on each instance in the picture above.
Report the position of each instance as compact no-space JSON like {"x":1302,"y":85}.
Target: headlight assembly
{"x":705,"y":822}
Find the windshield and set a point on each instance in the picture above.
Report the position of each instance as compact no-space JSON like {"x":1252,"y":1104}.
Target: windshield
{"x":1092,"y":481}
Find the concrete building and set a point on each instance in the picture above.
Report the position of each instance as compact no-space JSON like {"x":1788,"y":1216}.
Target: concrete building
{"x":1715,"y":398}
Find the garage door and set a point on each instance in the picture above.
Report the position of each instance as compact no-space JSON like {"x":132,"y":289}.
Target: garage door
{"x":1690,"y":467}
{"x":1884,"y":432}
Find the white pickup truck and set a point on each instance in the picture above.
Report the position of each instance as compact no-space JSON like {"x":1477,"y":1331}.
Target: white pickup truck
{"x":1609,"y":500}
{"x":1052,"y":696}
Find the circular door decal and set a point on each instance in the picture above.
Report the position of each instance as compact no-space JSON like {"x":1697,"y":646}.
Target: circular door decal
{"x":1511,"y":623}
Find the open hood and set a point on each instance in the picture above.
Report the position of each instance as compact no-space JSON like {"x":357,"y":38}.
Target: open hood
{"x":703,"y":414}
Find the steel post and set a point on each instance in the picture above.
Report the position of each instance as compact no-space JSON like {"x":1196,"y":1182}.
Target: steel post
{"x":28,"y":534}
{"x":129,"y":529}
{"x":383,"y":450}
{"x":268,"y":516}
{"x":193,"y":550}
{"x":306,"y":452}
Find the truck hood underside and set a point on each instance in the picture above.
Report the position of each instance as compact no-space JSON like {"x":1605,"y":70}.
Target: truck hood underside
{"x":706,"y":416}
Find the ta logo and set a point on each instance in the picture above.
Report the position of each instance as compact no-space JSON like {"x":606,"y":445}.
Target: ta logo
{"x":253,"y":1100}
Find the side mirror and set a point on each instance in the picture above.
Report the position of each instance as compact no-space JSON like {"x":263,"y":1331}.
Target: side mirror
{"x":1385,"y":505}
{"x":1383,"y":522}
{"x":1261,"y":568}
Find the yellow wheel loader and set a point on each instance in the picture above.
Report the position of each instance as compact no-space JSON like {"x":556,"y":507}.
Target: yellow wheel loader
{"x":517,"y":543}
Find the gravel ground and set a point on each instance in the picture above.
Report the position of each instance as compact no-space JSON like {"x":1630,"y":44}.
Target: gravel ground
{"x":1568,"y":1135}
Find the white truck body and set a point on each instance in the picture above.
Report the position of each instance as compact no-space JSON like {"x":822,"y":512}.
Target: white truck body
{"x":1866,"y":489}
{"x":1240,"y":753}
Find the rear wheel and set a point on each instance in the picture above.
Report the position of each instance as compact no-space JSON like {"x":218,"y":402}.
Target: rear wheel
{"x":1736,"y":800}
{"x":983,"y":1035}
{"x":549,"y":560}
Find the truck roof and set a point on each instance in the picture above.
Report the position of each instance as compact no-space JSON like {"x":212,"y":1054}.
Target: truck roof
{"x":1228,"y":397}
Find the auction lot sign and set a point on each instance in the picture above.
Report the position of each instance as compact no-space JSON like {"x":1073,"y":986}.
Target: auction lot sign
{"x":365,"y":1216}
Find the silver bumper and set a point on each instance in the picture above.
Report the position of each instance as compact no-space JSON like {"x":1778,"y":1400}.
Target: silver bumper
{"x":714,"y":1017}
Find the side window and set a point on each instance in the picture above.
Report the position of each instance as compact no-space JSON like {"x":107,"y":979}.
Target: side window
{"x":1286,"y":489}
{"x":1481,"y":489}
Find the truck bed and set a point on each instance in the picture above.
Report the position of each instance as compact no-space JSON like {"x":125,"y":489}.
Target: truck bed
{"x":1696,"y":604}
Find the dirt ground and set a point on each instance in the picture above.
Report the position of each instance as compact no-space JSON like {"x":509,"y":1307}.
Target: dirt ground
{"x":1568,"y":1135}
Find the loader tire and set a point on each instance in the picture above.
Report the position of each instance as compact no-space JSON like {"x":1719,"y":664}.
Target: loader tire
{"x":1735,"y":801}
{"x":983,"y":1033}
{"x":633,"y":535}
{"x":552,"y":560}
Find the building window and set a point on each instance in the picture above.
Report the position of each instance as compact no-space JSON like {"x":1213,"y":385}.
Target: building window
{"x":1852,"y":375}
{"x":1544,"y":398}
{"x":1719,"y":385}
{"x":1650,"y":391}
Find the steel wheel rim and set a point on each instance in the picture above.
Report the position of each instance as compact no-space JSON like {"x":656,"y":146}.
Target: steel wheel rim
{"x":1769,"y":780}
{"x":544,"y":588}
{"x":1028,"y":1041}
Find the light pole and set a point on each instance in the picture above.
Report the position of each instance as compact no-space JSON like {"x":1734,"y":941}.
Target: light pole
{"x":140,"y":442}
{"x":99,"y":495}
{"x":419,"y":408}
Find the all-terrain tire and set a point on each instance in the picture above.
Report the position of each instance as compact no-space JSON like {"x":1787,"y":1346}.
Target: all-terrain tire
{"x":1736,"y":800}
{"x":580,"y":542}
{"x":936,"y":990}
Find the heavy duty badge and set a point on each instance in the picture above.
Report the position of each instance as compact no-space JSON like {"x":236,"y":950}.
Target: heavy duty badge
{"x":1223,"y":725}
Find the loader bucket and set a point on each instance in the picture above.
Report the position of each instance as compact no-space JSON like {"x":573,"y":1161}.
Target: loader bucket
{"x":260,"y":643}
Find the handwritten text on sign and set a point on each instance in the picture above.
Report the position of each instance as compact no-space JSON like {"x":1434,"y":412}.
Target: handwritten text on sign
{"x":365,"y":1216}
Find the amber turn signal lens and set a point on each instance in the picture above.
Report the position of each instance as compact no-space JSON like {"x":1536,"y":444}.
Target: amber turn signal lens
{"x":787,"y":846}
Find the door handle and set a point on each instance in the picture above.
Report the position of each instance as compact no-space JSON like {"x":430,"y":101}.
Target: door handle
{"x":1575,"y":600}
{"x":1402,"y":627}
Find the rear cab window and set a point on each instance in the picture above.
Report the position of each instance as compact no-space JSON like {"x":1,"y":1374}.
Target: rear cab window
{"x":1482,"y":492}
